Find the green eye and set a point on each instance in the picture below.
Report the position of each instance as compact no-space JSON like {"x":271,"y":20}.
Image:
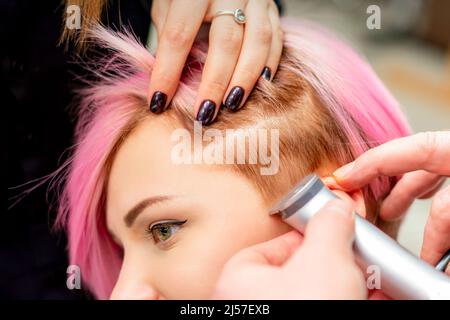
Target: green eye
{"x":162,"y":232}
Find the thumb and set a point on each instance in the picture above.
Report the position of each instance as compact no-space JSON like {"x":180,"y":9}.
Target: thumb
{"x":273,"y":252}
{"x":330,"y":232}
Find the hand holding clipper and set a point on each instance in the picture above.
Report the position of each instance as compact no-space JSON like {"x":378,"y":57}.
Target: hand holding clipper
{"x":403,"y":275}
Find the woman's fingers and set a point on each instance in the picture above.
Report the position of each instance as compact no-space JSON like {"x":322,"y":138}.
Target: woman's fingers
{"x":254,"y":53}
{"x":436,"y":239}
{"x":236,"y":58}
{"x":413,"y":185}
{"x":180,"y":29}
{"x":428,"y":151}
{"x":276,"y":48}
{"x":225,"y":40}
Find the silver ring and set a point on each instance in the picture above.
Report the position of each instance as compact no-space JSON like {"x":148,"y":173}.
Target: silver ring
{"x":238,"y":15}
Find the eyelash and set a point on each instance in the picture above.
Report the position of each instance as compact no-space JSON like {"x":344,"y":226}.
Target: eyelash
{"x":169,"y":223}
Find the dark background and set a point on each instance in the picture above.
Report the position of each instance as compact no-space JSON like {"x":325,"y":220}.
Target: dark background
{"x":38,"y":78}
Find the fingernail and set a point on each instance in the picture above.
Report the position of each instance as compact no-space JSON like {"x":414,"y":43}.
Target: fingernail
{"x":330,"y":182}
{"x":342,"y":172}
{"x":206,"y":112}
{"x":234,"y":99}
{"x":266,"y":73}
{"x":158,"y":102}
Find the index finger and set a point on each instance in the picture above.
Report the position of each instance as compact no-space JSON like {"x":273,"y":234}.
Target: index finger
{"x":429,"y":151}
{"x":182,"y":24}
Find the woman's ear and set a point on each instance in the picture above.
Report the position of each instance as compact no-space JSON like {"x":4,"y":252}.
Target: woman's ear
{"x":355,"y":197}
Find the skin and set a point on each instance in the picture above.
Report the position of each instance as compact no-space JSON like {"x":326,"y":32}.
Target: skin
{"x":221,"y":222}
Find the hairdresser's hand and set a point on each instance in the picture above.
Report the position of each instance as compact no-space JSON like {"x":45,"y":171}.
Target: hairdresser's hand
{"x":424,"y":161}
{"x":236,"y":58}
{"x":322,"y":267}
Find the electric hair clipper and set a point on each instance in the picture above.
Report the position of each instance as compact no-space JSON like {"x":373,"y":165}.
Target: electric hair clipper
{"x":402,"y":275}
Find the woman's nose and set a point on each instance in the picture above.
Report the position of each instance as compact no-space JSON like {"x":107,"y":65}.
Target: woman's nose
{"x":133,"y":285}
{"x":134,"y":281}
{"x":135,"y":291}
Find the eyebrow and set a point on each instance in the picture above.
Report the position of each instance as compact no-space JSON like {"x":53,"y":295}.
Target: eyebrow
{"x":137,"y":209}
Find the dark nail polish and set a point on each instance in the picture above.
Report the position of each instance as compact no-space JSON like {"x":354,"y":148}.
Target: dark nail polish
{"x":158,"y":102}
{"x":234,"y":99}
{"x":266,"y":74}
{"x":206,"y":112}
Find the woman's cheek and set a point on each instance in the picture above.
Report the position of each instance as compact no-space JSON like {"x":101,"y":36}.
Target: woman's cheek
{"x":192,"y":276}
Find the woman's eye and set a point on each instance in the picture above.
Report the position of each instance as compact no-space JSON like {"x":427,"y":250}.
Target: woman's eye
{"x":163,"y":231}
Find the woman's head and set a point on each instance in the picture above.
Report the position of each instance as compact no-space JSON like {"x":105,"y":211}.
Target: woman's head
{"x":138,"y":219}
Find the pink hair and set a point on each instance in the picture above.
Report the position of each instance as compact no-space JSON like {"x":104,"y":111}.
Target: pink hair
{"x":346,"y":85}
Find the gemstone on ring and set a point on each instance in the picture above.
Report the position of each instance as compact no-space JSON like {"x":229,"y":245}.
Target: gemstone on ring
{"x":239,"y":16}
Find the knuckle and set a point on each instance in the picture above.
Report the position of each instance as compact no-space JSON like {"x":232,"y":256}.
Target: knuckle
{"x":230,"y":39}
{"x":247,"y":74}
{"x":163,"y":77}
{"x":428,"y":141}
{"x":215,"y":87}
{"x":263,"y":33}
{"x":177,"y":35}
